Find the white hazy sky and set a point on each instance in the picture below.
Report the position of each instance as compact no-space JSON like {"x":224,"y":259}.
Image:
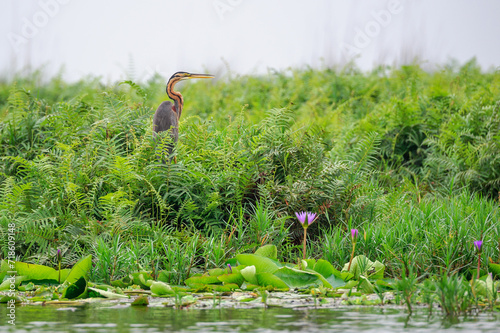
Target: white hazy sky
{"x":114,"y":38}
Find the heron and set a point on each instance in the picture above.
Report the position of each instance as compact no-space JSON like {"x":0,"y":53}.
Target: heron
{"x":167,"y":115}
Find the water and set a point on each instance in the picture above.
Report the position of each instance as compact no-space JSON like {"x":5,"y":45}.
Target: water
{"x":161,"y":319}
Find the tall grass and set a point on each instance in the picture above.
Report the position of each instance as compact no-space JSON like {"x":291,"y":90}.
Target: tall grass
{"x":410,"y":158}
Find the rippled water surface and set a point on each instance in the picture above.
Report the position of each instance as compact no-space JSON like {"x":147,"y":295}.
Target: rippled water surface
{"x":161,"y":319}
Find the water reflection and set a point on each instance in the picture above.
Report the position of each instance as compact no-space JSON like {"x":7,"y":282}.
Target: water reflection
{"x":161,"y":319}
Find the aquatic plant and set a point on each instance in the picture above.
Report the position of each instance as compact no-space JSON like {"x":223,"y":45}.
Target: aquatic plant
{"x":354,"y":235}
{"x":59,"y":259}
{"x":477,"y":245}
{"x":305,"y":219}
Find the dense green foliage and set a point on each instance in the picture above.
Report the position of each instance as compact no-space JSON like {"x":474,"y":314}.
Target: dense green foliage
{"x":410,"y":158}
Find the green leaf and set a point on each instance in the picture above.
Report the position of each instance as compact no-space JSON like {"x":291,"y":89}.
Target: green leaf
{"x":268,"y":251}
{"x":262,"y":264}
{"x":141,"y":278}
{"x":216,"y":271}
{"x":160,"y":288}
{"x":224,"y":288}
{"x":365,"y":285}
{"x":124,"y":282}
{"x":310,"y":263}
{"x":79,"y":270}
{"x":324,"y":268}
{"x":77,"y":289}
{"x":195,"y":281}
{"x":295,"y":278}
{"x":267,"y":279}
{"x":249,"y":274}
{"x":362,"y":266}
{"x":232,"y":278}
{"x":6,"y":284}
{"x":495,"y":269}
{"x":141,"y":301}
{"x":335,"y":281}
{"x":33,"y":272}
{"x":108,"y":294}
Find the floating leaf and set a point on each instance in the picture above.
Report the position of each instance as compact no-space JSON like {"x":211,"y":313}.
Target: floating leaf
{"x":107,"y":294}
{"x":6,"y":284}
{"x":32,"y":272}
{"x":79,"y":270}
{"x":333,"y":276}
{"x":123,"y":282}
{"x":194,"y":281}
{"x":224,"y":288}
{"x":324,"y":268}
{"x":295,"y":278}
{"x":232,"y":278}
{"x":268,"y":251}
{"x":141,"y":278}
{"x":248,"y":274}
{"x":309,"y":263}
{"x":160,"y":288}
{"x":141,"y":301}
{"x":216,"y":271}
{"x":77,"y":289}
{"x":7,"y":298}
{"x":262,"y":264}
{"x":267,"y":279}
{"x":361,"y":265}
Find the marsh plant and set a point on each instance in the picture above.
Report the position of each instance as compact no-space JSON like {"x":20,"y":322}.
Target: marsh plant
{"x":408,"y":156}
{"x":305,"y":219}
{"x":477,"y":245}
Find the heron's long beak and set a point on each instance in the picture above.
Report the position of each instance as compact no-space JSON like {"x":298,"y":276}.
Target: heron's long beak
{"x":200,"y":76}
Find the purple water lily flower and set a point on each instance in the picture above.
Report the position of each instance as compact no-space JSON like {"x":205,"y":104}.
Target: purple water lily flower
{"x":354,"y":233}
{"x":59,"y":256}
{"x":478,"y":244}
{"x":229,"y":268}
{"x":306,"y":218}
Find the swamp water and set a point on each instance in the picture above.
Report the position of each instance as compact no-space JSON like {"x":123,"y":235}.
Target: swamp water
{"x":120,"y":318}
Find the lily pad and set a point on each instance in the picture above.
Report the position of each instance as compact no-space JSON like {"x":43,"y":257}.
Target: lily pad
{"x":160,"y":288}
{"x":6,"y":284}
{"x":77,"y":289}
{"x":225,"y":287}
{"x":194,"y":281}
{"x":362,"y":266}
{"x":123,"y":282}
{"x":141,"y":278}
{"x":249,"y":274}
{"x":295,"y":278}
{"x":268,"y":251}
{"x":216,"y":271}
{"x":268,"y":279}
{"x":33,"y":272}
{"x":80,"y":269}
{"x":107,"y":294}
{"x":141,"y":301}
{"x":262,"y":264}
{"x":232,"y":278}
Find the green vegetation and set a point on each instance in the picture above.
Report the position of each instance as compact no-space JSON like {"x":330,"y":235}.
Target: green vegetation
{"x":409,"y":158}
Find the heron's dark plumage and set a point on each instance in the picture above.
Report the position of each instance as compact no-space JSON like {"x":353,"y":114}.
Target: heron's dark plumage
{"x":167,"y":115}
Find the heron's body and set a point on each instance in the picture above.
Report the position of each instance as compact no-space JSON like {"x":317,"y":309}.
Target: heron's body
{"x":167,"y":115}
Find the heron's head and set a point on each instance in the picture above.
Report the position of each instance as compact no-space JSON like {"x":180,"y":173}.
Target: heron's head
{"x":184,"y":76}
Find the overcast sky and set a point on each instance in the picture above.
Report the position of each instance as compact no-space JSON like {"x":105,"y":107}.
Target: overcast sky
{"x":117,"y":38}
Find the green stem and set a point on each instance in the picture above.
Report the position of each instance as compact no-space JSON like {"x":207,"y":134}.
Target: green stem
{"x":304,"y":249}
{"x":352,"y":256}
{"x":59,"y":272}
{"x":478,"y":265}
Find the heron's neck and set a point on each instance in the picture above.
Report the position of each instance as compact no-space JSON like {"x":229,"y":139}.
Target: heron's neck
{"x":178,"y":106}
{"x":176,"y":97}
